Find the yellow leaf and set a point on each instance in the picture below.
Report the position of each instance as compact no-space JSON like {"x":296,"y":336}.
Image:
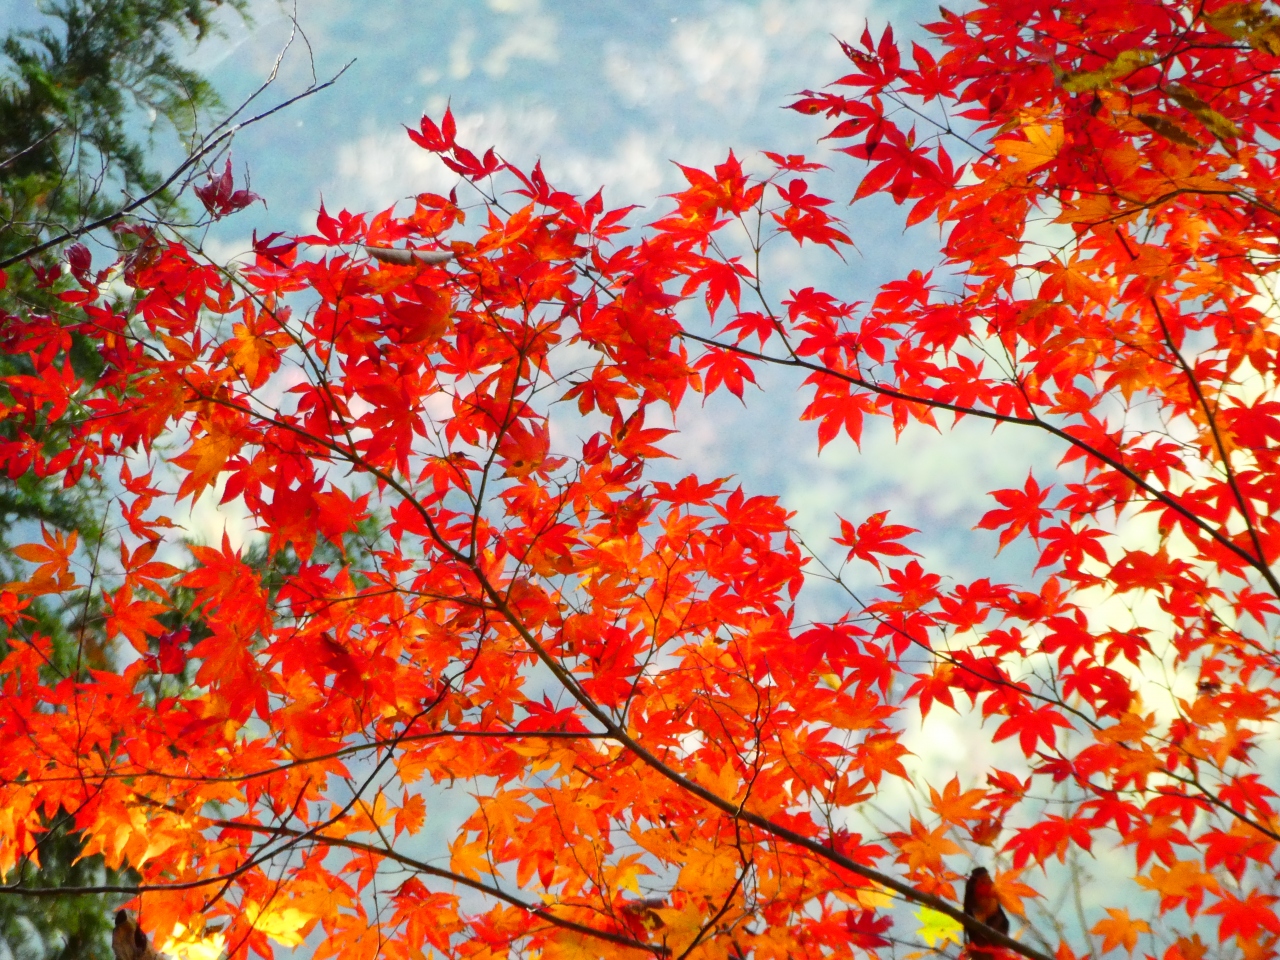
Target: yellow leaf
{"x":627,"y":874}
{"x":186,"y":944}
{"x":283,"y":924}
{"x":873,"y":897}
{"x":1133,"y":727}
{"x":567,"y":945}
{"x":681,"y":924}
{"x":710,"y":872}
{"x":411,"y":765}
{"x":158,"y":841}
{"x":936,"y":927}
{"x":1041,"y":145}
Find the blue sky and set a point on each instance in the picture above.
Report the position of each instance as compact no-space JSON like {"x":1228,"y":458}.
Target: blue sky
{"x":609,"y":94}
{"x":604,"y":92}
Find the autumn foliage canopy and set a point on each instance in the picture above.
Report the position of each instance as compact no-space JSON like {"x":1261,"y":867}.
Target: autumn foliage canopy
{"x":496,"y":680}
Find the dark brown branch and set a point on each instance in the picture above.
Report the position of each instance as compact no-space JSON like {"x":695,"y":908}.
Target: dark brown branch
{"x":538,"y":911}
{"x":1258,"y":563}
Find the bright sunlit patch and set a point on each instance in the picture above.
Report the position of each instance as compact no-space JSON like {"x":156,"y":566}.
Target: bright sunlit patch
{"x":185,"y":944}
{"x":282,"y":924}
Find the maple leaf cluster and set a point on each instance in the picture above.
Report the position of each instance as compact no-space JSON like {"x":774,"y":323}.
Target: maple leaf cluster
{"x":647,"y":748}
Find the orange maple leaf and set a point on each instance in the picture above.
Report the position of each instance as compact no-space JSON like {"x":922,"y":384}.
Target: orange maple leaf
{"x":1119,"y":930}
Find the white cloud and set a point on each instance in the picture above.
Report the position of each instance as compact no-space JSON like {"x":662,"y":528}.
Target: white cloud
{"x":728,"y":58}
{"x":380,"y":168}
{"x":460,"y":54}
{"x":721,"y":61}
{"x":725,"y":60}
{"x":532,"y":36}
{"x":633,"y":173}
{"x":639,"y":77}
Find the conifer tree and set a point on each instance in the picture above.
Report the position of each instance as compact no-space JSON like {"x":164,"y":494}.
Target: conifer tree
{"x":83,"y":97}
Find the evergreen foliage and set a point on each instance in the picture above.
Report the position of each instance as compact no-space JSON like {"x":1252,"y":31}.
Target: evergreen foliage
{"x":83,"y":98}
